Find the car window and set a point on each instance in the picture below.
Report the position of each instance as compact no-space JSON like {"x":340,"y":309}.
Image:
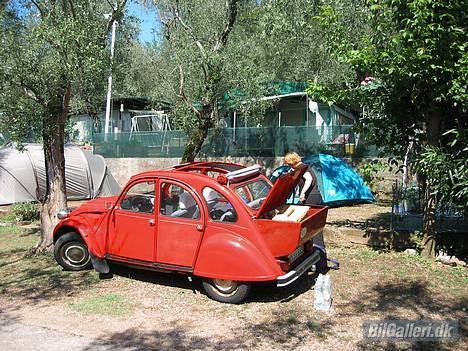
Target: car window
{"x":219,"y":207}
{"x":139,"y":198}
{"x":176,"y":201}
{"x":253,"y":193}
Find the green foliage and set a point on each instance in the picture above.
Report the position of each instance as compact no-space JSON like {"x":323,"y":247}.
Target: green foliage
{"x":25,"y":211}
{"x":413,"y":54}
{"x":445,"y":168}
{"x":416,"y":238}
{"x":51,"y":49}
{"x":270,"y":41}
{"x":371,"y":172}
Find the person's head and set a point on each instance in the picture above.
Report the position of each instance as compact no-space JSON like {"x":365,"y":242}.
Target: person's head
{"x":292,"y":159}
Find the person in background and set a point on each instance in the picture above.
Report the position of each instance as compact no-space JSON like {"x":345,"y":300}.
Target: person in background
{"x":309,"y":194}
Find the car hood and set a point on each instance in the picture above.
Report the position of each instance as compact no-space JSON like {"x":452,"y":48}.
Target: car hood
{"x":98,"y":205}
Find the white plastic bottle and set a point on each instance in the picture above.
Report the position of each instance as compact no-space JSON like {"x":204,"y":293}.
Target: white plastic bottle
{"x":327,"y":293}
{"x":318,"y":293}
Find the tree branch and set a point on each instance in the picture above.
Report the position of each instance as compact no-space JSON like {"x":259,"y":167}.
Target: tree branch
{"x":231,"y":8}
{"x":188,"y":29}
{"x":72,"y":9}
{"x":66,"y":101}
{"x":116,"y":14}
{"x":30,"y":92}
{"x":182,"y":93}
{"x":41,"y":11}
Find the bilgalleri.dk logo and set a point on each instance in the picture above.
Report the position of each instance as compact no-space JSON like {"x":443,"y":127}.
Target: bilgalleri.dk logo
{"x":410,"y":329}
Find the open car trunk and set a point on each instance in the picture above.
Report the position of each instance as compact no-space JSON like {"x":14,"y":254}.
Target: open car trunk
{"x":283,"y":237}
{"x":285,"y":228}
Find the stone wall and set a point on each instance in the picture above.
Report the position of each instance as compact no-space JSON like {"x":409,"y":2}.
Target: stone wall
{"x":123,"y":168}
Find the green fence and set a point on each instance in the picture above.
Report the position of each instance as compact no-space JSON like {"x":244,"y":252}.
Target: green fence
{"x":263,"y":141}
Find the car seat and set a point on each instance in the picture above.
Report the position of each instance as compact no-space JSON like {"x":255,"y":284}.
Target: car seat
{"x":187,"y":206}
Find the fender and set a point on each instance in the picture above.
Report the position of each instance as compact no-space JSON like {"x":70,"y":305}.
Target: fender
{"x":231,"y":257}
{"x":82,"y":227}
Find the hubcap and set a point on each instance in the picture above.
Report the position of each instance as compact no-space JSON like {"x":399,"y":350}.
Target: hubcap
{"x":76,"y":254}
{"x":225,"y":286}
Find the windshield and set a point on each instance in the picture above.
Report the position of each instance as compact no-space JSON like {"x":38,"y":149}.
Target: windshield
{"x":253,"y":193}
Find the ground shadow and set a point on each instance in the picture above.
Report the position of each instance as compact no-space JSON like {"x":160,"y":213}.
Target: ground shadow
{"x":269,"y":292}
{"x":378,"y":221}
{"x":6,"y":318}
{"x":285,"y":331}
{"x":375,"y":232}
{"x":39,"y":278}
{"x":391,"y":301}
{"x":160,"y":278}
{"x":261,"y":292}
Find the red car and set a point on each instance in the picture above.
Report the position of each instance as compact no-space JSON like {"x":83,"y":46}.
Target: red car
{"x":216,"y":221}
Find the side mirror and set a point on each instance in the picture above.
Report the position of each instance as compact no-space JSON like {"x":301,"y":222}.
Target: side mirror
{"x":108,"y":205}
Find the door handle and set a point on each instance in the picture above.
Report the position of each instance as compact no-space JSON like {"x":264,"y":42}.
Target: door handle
{"x":151,"y":222}
{"x":200,"y":227}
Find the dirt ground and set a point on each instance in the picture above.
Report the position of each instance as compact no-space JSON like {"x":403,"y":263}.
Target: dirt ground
{"x":43,"y":307}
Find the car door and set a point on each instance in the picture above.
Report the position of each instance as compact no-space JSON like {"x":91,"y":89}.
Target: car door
{"x":180,"y":224}
{"x":132,"y":226}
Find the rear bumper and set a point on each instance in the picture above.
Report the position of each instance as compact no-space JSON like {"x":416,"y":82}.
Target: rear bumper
{"x":299,"y":270}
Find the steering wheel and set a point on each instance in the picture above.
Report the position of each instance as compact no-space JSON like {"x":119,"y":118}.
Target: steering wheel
{"x":141,"y":204}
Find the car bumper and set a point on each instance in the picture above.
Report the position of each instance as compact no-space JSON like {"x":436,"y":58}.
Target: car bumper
{"x":299,"y":270}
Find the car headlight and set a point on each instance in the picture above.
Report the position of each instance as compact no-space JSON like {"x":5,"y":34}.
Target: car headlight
{"x":63,"y":214}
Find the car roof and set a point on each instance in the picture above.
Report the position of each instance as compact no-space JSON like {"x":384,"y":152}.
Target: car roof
{"x":220,"y":167}
{"x":195,"y":171}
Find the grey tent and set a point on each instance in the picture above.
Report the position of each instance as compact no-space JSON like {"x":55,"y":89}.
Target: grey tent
{"x":22,"y":174}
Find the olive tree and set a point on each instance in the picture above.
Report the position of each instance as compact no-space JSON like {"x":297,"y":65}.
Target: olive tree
{"x":54,"y":60}
{"x":411,"y":67}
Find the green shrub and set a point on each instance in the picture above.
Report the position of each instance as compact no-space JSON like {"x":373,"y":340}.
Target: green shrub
{"x":25,"y":211}
{"x":372,"y":172}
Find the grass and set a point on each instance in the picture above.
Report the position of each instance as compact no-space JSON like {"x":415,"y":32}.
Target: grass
{"x":364,"y":262}
{"x":113,"y":305}
{"x":6,"y":217}
{"x":34,"y":277}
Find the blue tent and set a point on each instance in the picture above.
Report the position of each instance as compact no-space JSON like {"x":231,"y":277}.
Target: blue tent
{"x":337,"y":182}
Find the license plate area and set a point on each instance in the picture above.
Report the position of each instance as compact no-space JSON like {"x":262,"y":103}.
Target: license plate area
{"x":296,"y":254}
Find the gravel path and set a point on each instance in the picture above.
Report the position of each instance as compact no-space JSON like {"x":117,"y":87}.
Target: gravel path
{"x":19,"y":336}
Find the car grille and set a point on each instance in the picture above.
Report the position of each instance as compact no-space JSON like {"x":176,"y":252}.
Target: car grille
{"x":296,"y":254}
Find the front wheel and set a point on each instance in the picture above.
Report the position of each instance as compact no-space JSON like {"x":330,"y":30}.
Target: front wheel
{"x":228,"y":291}
{"x":72,"y":253}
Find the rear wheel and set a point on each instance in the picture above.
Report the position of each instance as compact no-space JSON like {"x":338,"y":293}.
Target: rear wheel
{"x":228,"y":291}
{"x":71,"y":252}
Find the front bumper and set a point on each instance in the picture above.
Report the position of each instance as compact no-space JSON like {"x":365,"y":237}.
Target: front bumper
{"x":299,"y":270}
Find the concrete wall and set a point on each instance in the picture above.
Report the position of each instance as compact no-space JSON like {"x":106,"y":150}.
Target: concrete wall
{"x":123,"y":168}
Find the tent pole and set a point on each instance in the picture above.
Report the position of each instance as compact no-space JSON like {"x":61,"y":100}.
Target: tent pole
{"x":234,"y":125}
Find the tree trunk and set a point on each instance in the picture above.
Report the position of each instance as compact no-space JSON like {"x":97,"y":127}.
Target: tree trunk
{"x":429,"y":232}
{"x":433,"y":131}
{"x":197,"y":138}
{"x":54,"y":197}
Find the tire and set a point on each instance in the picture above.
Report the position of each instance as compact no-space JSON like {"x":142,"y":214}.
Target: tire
{"x":226,"y":291}
{"x":71,"y":252}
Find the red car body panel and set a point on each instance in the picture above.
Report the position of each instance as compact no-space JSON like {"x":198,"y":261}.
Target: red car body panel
{"x":247,"y":250}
